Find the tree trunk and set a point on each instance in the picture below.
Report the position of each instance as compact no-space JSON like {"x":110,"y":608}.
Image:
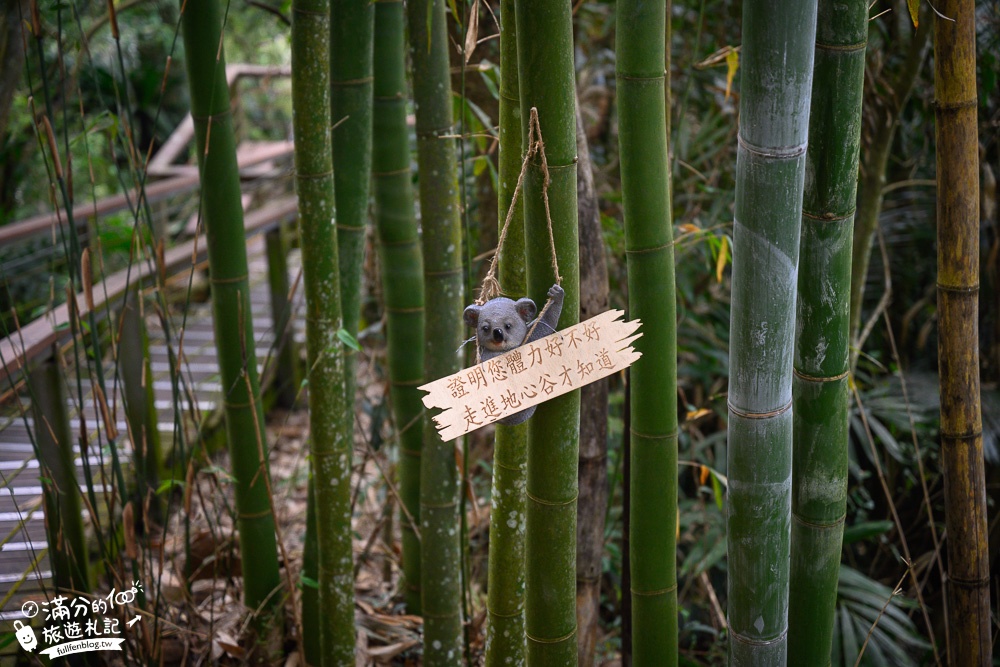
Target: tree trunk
{"x":958,"y":333}
{"x":593,"y":467}
{"x":776,"y":65}
{"x":821,"y":384}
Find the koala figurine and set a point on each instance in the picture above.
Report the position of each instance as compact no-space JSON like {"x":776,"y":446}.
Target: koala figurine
{"x":502,"y":324}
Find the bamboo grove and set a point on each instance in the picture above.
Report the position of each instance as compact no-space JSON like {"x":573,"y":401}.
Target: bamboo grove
{"x":408,"y":182}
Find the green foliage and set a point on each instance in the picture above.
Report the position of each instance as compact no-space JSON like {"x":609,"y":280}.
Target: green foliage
{"x":893,"y":638}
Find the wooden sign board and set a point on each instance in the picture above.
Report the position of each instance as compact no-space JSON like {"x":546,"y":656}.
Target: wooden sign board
{"x":532,"y":373}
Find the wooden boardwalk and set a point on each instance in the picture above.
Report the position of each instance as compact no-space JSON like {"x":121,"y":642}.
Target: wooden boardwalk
{"x":24,"y":565}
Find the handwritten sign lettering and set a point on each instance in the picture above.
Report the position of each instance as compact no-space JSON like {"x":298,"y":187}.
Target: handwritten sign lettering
{"x":532,"y":374}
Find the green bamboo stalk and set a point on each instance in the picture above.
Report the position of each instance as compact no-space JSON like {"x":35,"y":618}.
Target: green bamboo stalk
{"x":329,"y":425}
{"x":649,"y":246}
{"x":820,"y":387}
{"x":287,"y":375}
{"x":547,"y":82}
{"x":956,"y":131}
{"x":440,"y":579}
{"x":351,"y":24}
{"x":140,"y":409}
{"x":505,"y":642}
{"x":402,"y":272}
{"x":54,"y":444}
{"x":776,"y":65}
{"x":222,"y":212}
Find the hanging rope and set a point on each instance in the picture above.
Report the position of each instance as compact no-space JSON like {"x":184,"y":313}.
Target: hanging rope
{"x":490,"y":288}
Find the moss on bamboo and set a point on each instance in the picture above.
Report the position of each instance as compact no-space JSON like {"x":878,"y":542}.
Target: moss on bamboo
{"x":329,"y":428}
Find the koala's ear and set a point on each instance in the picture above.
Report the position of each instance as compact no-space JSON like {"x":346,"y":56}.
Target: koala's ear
{"x":471,"y":315}
{"x":526,"y":309}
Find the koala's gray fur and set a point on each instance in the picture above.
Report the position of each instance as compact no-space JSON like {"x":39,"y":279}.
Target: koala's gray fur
{"x":502,"y":324}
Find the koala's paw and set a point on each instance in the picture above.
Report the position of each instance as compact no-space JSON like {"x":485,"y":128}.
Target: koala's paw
{"x":556,"y":292}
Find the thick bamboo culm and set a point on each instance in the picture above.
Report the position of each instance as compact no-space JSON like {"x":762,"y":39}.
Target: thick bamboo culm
{"x":444,"y":298}
{"x":330,"y":426}
{"x":958,"y":333}
{"x":222,"y":216}
{"x":53,"y":442}
{"x":402,"y":273}
{"x":351,"y":25}
{"x":505,"y":643}
{"x":777,"y":65}
{"x":822,"y":352}
{"x":547,"y":82}
{"x":653,"y":385}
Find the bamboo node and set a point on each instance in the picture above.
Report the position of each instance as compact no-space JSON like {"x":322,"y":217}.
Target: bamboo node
{"x":497,"y":464}
{"x":556,"y":640}
{"x":656,"y":436}
{"x":661,"y":591}
{"x":760,"y":642}
{"x":779,"y":152}
{"x":959,"y":289}
{"x":980,"y":582}
{"x":964,"y":437}
{"x":818,"y":378}
{"x":759,"y":415}
{"x":229,"y":281}
{"x":835,"y":524}
{"x":842,"y":48}
{"x":970,"y":103}
{"x":496,"y":614}
{"x":550,"y":503}
{"x":643,"y":251}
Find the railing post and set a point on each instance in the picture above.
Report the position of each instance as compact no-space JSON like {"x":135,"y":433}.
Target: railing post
{"x":60,"y":489}
{"x":287,"y":372}
{"x":140,"y":408}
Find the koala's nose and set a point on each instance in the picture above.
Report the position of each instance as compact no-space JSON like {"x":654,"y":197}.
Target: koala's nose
{"x":498,"y":335}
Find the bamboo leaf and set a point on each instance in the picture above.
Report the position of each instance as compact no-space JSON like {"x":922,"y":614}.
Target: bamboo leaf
{"x":720,"y":261}
{"x":347,"y":339}
{"x":168,"y":485}
{"x":865,"y":530}
{"x":732,"y":64}
{"x":914,"y":7}
{"x":717,"y":492}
